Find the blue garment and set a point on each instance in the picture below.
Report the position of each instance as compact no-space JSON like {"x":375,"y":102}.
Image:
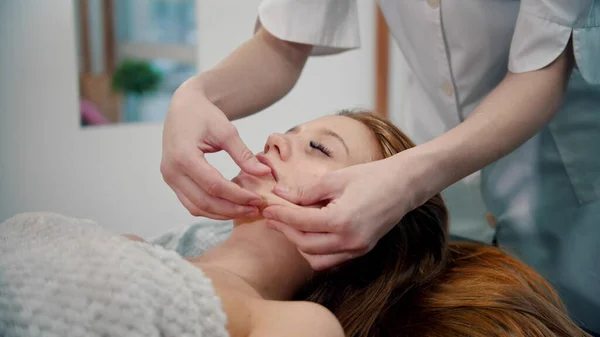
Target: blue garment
{"x":193,"y":240}
{"x":546,"y":198}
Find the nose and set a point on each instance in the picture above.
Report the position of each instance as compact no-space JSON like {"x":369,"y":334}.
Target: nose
{"x":279,"y":144}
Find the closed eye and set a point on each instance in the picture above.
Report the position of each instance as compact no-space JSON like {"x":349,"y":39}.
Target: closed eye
{"x":319,"y":146}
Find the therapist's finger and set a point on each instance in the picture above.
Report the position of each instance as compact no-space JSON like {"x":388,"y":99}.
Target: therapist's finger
{"x":195,"y":211}
{"x":214,"y":184}
{"x":242,"y":155}
{"x":303,"y":219}
{"x":308,"y":194}
{"x":209,"y":204}
{"x":322,"y":262}
{"x":310,"y":243}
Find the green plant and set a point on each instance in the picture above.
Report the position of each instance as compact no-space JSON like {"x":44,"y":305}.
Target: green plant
{"x":136,"y":76}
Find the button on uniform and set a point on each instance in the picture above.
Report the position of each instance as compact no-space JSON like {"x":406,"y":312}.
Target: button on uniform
{"x":490,"y":219}
{"x":447,"y":88}
{"x":434,"y":3}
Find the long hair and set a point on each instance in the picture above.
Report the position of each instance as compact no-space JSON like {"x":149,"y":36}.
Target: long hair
{"x":413,"y":283}
{"x":484,"y":292}
{"x":412,"y":254}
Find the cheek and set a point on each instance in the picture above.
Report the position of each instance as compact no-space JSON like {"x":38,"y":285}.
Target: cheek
{"x":293,"y":176}
{"x":302,"y":175}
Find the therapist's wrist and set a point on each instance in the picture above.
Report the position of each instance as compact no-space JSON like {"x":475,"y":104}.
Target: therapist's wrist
{"x":422,"y":171}
{"x":196,"y":92}
{"x":190,"y":89}
{"x":193,"y":84}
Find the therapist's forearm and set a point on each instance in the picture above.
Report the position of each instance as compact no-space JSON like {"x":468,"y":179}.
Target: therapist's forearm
{"x":510,"y":115}
{"x":254,"y":76}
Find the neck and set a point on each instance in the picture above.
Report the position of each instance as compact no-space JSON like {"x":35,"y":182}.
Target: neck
{"x":262,"y":257}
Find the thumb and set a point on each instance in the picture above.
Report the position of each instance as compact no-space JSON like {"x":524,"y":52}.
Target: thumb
{"x":243,"y":156}
{"x":305,"y":195}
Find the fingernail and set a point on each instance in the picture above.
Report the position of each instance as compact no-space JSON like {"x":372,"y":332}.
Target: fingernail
{"x":267,"y":214}
{"x":252,"y":213}
{"x":256,"y":202}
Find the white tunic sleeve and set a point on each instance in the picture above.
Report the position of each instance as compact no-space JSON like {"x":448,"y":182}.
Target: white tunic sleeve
{"x":331,"y":26}
{"x":543,"y":30}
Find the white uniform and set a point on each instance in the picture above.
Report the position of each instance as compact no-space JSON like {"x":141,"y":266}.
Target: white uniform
{"x":545,"y":195}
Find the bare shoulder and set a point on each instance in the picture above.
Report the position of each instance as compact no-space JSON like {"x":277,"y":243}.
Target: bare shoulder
{"x":316,"y":317}
{"x":295,"y":319}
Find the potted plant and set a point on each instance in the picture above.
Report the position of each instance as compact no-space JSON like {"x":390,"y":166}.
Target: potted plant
{"x":135,"y":78}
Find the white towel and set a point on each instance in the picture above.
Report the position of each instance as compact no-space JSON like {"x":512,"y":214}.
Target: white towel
{"x":61,"y":277}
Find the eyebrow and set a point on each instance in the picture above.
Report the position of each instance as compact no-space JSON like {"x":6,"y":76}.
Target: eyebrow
{"x":324,"y":131}
{"x":331,"y":133}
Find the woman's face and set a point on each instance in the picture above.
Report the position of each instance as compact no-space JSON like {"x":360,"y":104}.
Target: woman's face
{"x":308,"y":151}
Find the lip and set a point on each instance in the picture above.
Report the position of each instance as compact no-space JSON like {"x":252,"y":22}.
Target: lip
{"x":263,"y":159}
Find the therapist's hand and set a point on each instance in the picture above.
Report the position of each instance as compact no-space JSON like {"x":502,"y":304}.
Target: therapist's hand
{"x":194,"y":126}
{"x":365,"y":202}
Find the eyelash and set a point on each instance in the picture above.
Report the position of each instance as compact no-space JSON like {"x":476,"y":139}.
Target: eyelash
{"x":319,"y":146}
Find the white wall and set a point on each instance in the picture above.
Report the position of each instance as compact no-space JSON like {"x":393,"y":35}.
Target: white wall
{"x":111,"y":174}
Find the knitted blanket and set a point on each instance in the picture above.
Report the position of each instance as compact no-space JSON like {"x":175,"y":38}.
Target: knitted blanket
{"x":61,"y":276}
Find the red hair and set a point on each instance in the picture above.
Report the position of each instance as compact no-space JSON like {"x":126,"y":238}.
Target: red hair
{"x":485,"y":292}
{"x":414,"y":284}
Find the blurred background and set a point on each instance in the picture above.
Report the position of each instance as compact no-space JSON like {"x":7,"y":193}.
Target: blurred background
{"x":86,"y":84}
{"x":131,"y":56}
